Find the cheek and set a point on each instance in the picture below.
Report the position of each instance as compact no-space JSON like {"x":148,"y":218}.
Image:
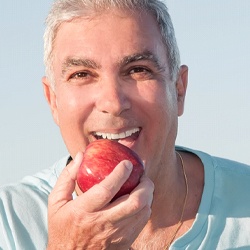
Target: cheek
{"x":161,"y":126}
{"x":161,"y":110}
{"x":159,"y":98}
{"x":73,"y":112}
{"x":72,"y":107}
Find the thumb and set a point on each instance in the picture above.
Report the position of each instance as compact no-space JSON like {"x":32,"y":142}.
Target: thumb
{"x":65,"y":185}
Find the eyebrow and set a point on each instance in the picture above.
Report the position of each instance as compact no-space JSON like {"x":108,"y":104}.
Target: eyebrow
{"x":88,"y":63}
{"x":146,"y":55}
{"x":71,"y":62}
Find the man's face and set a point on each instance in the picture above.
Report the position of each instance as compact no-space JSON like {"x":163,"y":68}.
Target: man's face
{"x":112,"y":81}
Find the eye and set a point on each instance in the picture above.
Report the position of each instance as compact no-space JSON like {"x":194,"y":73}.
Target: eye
{"x":138,"y":70}
{"x":81,"y":78}
{"x":140,"y":73}
{"x":79,"y":75}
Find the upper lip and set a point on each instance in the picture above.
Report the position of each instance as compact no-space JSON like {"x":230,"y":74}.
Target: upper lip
{"x":118,"y":135}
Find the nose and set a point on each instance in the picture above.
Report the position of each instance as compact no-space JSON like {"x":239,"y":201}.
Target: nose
{"x":112,"y":97}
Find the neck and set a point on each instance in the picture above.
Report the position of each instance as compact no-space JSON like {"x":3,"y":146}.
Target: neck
{"x":170,"y":194}
{"x":163,"y":226}
{"x":168,"y":207}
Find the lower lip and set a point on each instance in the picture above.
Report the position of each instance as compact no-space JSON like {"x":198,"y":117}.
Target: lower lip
{"x":127,"y":142}
{"x":130,"y":141}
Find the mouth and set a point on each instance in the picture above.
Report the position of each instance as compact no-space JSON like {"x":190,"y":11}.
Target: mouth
{"x":126,"y":138}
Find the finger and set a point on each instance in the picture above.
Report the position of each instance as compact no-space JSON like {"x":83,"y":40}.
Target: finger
{"x":140,"y":198}
{"x":101,"y":194}
{"x":131,"y":227}
{"x":65,"y":185}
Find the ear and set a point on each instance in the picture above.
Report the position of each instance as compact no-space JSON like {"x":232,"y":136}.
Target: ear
{"x":50,"y":96}
{"x":181,"y":87}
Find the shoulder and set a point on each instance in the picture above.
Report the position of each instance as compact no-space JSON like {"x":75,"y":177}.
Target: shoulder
{"x":224,"y":207}
{"x":227,"y":165}
{"x":36,"y":187}
{"x":227,"y":181}
{"x":224,"y":178}
{"x":232,"y":180}
{"x":22,"y":203}
{"x":218,"y":163}
{"x":42,"y":181}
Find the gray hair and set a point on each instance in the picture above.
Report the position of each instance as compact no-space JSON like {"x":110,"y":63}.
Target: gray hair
{"x":67,"y":10}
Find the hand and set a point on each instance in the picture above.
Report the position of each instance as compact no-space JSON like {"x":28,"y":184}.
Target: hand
{"x":90,"y":221}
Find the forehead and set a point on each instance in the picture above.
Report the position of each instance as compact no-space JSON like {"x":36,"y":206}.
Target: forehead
{"x":112,"y":32}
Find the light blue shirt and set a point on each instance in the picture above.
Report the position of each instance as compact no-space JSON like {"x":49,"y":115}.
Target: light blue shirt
{"x":223,"y":218}
{"x":222,"y":221}
{"x":23,"y":210}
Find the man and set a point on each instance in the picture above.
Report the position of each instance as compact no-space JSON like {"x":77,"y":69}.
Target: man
{"x":113,"y":70}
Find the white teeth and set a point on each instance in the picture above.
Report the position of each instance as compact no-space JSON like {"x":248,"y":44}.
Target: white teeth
{"x":104,"y":136}
{"x":117,"y":136}
{"x":129,"y":133}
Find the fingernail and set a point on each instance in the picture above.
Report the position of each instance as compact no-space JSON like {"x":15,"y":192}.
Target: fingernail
{"x":128,"y":165}
{"x":77,"y":158}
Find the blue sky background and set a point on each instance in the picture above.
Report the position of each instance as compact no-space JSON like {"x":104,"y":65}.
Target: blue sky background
{"x":214,"y":41}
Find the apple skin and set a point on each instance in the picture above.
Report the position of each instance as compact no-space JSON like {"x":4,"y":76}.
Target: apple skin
{"x":99,"y":160}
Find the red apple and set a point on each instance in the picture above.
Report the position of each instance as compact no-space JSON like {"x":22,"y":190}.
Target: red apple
{"x":100,"y":158}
